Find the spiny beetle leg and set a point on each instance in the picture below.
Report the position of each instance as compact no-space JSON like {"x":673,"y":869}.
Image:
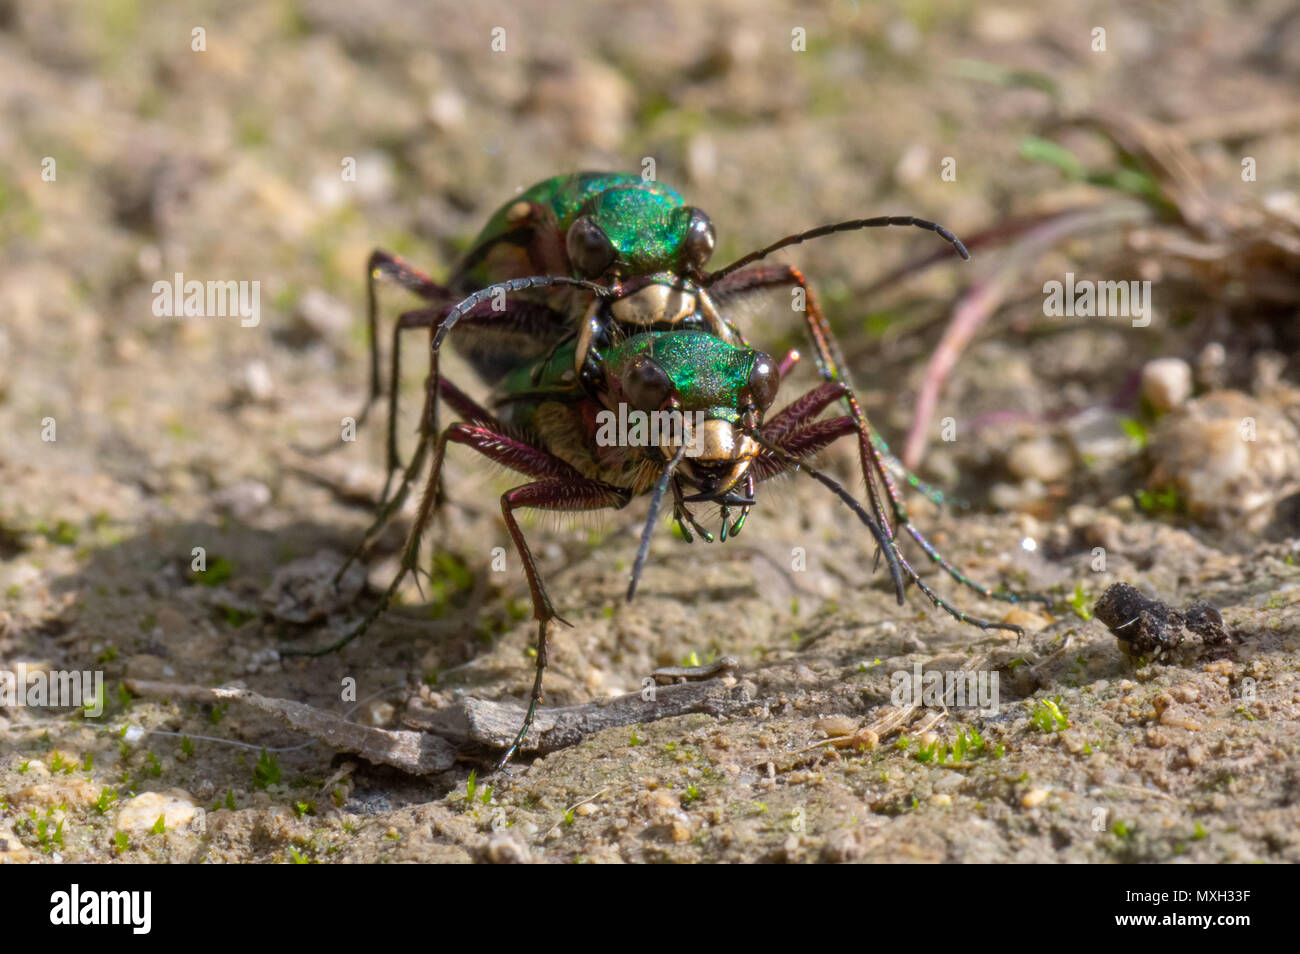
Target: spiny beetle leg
{"x":874,"y":453}
{"x":794,"y":435}
{"x":560,"y":487}
{"x":804,"y":444}
{"x":420,"y":318}
{"x":382,"y":264}
{"x":568,"y":492}
{"x":830,"y":359}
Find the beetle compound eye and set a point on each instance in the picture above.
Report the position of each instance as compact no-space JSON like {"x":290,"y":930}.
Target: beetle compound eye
{"x":764,"y":379}
{"x":590,"y":250}
{"x":647,"y":385}
{"x":697,"y":248}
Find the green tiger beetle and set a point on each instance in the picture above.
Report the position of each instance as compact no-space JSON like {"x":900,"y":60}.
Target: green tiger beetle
{"x":586,"y":296}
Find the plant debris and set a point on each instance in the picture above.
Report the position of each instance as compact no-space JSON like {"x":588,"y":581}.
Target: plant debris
{"x":1145,"y":625}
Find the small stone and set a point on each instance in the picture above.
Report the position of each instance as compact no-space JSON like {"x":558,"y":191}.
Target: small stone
{"x":1157,"y":739}
{"x":243,"y":500}
{"x":507,"y":849}
{"x":859,"y":741}
{"x":1041,"y":459}
{"x":1228,"y":458}
{"x":1034,"y":797}
{"x":141,"y":813}
{"x":446,"y":109}
{"x":1027,"y":619}
{"x":792,"y":848}
{"x":256,"y":384}
{"x":661,"y":803}
{"x":844,"y":845}
{"x":1074,"y":742}
{"x":378,"y":713}
{"x":12,"y":851}
{"x":144,"y":666}
{"x":1016,"y":497}
{"x":303,"y":591}
{"x":1177,"y":717}
{"x":1166,"y":383}
{"x":588,"y":100}
{"x":835,"y":726}
{"x":867,"y":738}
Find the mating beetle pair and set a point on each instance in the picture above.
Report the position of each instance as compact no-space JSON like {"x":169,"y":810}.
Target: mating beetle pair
{"x":588,"y":293}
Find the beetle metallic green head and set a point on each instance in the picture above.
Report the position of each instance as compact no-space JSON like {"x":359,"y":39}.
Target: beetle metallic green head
{"x":715,"y":389}
{"x":632,"y":230}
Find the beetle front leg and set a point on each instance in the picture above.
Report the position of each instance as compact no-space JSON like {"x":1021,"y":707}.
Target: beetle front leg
{"x":831,"y":363}
{"x":802,"y":440}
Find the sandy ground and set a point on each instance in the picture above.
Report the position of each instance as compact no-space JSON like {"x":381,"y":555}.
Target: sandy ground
{"x":171,"y":434}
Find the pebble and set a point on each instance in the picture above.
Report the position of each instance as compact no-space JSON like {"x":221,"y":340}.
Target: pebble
{"x":242,"y":500}
{"x":378,"y":713}
{"x":60,"y":790}
{"x":141,"y":813}
{"x":303,"y":591}
{"x":446,"y":110}
{"x":256,"y":384}
{"x":660,"y":803}
{"x":1040,"y":458}
{"x":835,"y":726}
{"x":12,"y":851}
{"x":1074,"y":742}
{"x":1177,"y":717}
{"x":590,"y":101}
{"x":1166,"y":383}
{"x":1229,"y":457}
{"x":1019,"y":616}
{"x":1034,"y":797}
{"x":1097,"y":436}
{"x":1014,"y":497}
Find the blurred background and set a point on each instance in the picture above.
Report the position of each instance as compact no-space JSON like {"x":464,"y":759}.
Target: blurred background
{"x":1118,"y":141}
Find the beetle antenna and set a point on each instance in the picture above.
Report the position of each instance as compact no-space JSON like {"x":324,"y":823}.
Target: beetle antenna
{"x":835,"y":487}
{"x":656,"y":502}
{"x":467,"y":305}
{"x":879,"y":221}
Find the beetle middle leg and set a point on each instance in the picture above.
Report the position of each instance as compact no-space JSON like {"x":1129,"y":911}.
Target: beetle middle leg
{"x":383,"y":264}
